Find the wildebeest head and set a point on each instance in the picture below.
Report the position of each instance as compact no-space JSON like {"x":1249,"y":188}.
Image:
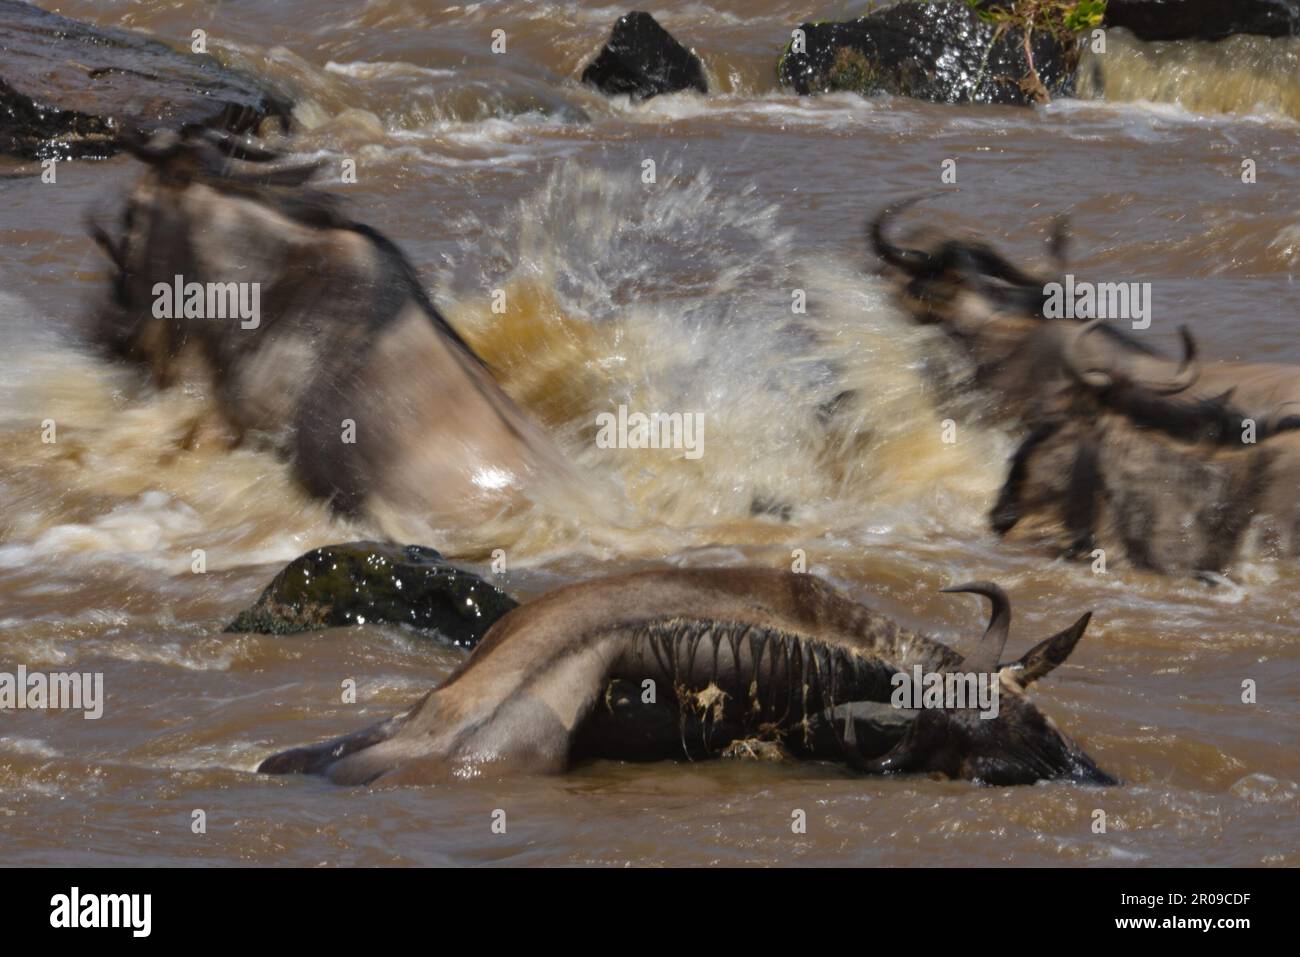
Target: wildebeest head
{"x":1020,"y":745}
{"x":156,"y":236}
{"x":961,"y":284}
{"x":995,"y":311}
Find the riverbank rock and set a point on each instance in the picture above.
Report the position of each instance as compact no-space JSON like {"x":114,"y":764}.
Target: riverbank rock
{"x":642,"y":60}
{"x":370,"y":582}
{"x":67,"y":88}
{"x":943,"y":52}
{"x":1204,"y":19}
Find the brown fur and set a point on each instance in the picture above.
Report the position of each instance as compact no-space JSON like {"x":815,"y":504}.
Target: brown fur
{"x":1097,"y":480}
{"x":346,"y":333}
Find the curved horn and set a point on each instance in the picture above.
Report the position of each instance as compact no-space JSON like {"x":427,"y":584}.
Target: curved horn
{"x":238,"y":147}
{"x":1097,"y":378}
{"x":219,"y":163}
{"x":1189,"y":370}
{"x":909,"y":260}
{"x":985,"y":658}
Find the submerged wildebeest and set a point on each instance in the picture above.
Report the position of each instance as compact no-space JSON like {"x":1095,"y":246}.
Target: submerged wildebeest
{"x":729,"y":655}
{"x":348,"y":368}
{"x":994,"y":311}
{"x":1168,"y":481}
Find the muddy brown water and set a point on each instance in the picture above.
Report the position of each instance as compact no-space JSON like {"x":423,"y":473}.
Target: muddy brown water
{"x":499,"y":172}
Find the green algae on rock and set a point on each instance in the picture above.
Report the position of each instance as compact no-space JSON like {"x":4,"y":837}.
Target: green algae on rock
{"x":361,"y":582}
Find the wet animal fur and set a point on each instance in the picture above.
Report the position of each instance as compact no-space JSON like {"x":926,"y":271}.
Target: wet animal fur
{"x":346,"y":333}
{"x":734,"y":654}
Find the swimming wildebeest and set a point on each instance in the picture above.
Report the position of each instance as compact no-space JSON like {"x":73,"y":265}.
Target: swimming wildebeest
{"x":342,"y":362}
{"x":994,"y":311}
{"x":1168,"y":481}
{"x":727,"y":655}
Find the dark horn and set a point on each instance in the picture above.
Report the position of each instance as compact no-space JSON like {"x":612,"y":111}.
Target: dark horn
{"x":102,"y":239}
{"x":909,"y":260}
{"x":1097,"y":378}
{"x":1189,"y":370}
{"x":228,"y":166}
{"x":985,"y":657}
{"x":238,"y":147}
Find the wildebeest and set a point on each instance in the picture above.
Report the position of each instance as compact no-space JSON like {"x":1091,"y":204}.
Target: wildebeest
{"x":348,"y":368}
{"x":1168,"y":481}
{"x":994,"y":311}
{"x":687,"y":662}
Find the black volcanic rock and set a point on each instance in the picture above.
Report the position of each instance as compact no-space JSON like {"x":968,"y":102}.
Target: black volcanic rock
{"x":374,"y":582}
{"x":67,"y":87}
{"x":1204,"y":19}
{"x":941,"y":52}
{"x":642,"y":59}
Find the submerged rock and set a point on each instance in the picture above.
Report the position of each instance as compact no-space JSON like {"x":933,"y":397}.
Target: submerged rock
{"x":370,"y":581}
{"x":67,"y":88}
{"x":1204,"y":19}
{"x":943,"y":52}
{"x":642,"y":60}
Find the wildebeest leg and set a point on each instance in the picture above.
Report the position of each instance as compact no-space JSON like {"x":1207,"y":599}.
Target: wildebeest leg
{"x":1225,"y":521}
{"x":325,"y":465}
{"x":1006,"y":512}
{"x":1081,"y":500}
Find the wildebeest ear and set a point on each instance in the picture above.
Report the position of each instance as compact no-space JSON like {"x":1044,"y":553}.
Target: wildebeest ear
{"x":1045,"y":656}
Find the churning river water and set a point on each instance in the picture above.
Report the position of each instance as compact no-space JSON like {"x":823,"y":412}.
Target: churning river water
{"x":501,"y":172}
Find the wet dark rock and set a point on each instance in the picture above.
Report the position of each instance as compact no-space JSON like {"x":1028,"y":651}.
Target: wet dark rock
{"x":941,"y":52}
{"x":642,"y":60}
{"x":67,"y":88}
{"x":1204,"y":19}
{"x":374,"y":582}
